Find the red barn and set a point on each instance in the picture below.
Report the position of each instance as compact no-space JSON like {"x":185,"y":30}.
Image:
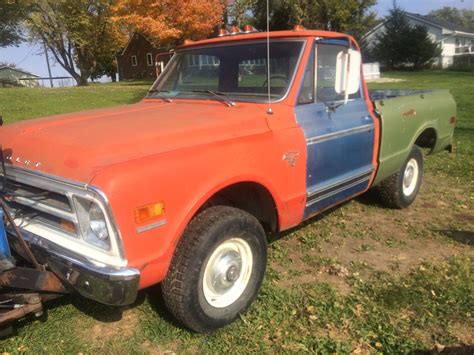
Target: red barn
{"x":139,"y":57}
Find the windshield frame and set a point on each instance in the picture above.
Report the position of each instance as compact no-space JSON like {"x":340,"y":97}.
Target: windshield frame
{"x":171,"y":65}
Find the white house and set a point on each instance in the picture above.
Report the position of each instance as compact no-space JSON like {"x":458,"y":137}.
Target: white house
{"x":454,"y":40}
{"x":15,"y":76}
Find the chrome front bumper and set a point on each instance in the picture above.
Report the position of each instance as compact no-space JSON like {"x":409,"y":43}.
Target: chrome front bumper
{"x":112,"y":286}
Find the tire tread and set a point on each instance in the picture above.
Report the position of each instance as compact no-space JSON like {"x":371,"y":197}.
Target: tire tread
{"x":172,"y":286}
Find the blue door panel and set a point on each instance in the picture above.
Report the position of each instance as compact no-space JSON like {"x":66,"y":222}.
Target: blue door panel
{"x":339,"y":151}
{"x":338,"y":158}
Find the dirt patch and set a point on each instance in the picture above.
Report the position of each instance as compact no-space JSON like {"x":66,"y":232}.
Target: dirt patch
{"x":387,"y":80}
{"x":365,"y":238}
{"x":148,"y":347}
{"x":124,"y":327}
{"x":466,"y":217}
{"x":462,"y":333}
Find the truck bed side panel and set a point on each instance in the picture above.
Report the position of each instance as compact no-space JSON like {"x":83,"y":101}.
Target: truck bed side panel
{"x":404,"y":119}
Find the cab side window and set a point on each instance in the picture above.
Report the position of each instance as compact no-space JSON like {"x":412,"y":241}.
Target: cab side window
{"x":326,"y":73}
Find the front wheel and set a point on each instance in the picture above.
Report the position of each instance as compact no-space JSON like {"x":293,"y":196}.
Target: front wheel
{"x":217,"y":268}
{"x":400,"y":189}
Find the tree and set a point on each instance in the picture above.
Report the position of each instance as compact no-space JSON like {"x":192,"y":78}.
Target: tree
{"x":80,"y":34}
{"x":460,"y":17}
{"x":12,"y":13}
{"x":422,"y":51}
{"x":348,"y":16}
{"x":167,"y":22}
{"x":401,"y":45}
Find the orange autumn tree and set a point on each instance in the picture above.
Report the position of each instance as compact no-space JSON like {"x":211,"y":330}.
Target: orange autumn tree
{"x":169,"y":21}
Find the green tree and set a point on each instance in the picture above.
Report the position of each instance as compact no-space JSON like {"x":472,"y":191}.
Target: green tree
{"x":421,"y":50}
{"x":401,"y":45}
{"x":348,"y":16}
{"x":12,"y":13}
{"x":80,"y":34}
{"x":460,"y":17}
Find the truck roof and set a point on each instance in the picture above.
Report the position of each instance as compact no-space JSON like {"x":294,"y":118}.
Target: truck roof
{"x":263,"y":35}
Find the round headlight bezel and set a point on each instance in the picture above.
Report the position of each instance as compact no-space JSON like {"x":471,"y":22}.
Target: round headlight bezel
{"x":98,"y":223}
{"x":96,"y":234}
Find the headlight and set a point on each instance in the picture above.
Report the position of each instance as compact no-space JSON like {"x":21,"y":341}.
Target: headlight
{"x":98,"y":223}
{"x":93,"y":223}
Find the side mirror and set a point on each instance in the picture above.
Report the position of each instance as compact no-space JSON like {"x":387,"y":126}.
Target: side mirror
{"x":348,"y":67}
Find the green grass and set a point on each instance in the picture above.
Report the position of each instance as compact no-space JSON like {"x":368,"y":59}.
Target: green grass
{"x":24,"y":103}
{"x":412,"y":307}
{"x":383,"y":314}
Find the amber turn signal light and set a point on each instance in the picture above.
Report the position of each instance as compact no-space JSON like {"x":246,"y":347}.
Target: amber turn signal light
{"x":452,"y":120}
{"x":148,"y":212}
{"x":68,"y":226}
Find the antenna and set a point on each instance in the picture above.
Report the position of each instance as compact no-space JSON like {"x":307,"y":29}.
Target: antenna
{"x":269,"y":110}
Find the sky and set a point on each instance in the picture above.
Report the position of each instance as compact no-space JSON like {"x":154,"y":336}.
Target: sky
{"x":30,"y":57}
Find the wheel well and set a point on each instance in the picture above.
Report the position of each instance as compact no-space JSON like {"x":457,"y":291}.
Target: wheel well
{"x":427,"y":139}
{"x":250,"y":197}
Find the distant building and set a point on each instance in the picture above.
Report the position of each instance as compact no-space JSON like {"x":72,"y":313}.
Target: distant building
{"x":17,"y":77}
{"x":457,"y":43}
{"x":139,"y":58}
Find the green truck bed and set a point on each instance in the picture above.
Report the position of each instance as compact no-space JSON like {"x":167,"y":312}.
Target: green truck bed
{"x":408,"y":117}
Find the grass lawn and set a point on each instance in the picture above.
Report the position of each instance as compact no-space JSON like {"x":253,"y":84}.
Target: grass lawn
{"x":24,"y":103}
{"x":360,"y":278}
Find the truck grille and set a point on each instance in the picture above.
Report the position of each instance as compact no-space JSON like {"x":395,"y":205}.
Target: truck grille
{"x":34,"y":205}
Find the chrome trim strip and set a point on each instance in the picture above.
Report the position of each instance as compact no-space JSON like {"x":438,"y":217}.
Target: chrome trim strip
{"x":151,"y":226}
{"x":105,"y":201}
{"x":340,"y":182}
{"x":29,"y":174}
{"x":45,"y":208}
{"x":335,"y":192}
{"x":333,"y":135}
{"x":23,"y":224}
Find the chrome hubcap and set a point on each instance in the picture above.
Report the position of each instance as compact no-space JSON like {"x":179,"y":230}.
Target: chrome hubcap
{"x":410,"y":177}
{"x":227,"y":272}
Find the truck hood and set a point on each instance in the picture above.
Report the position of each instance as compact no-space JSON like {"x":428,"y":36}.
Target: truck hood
{"x":77,"y":146}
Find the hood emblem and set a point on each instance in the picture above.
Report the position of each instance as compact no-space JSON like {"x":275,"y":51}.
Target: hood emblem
{"x":24,"y":162}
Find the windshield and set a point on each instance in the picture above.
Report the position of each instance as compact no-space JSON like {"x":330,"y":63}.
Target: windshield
{"x":236,"y":71}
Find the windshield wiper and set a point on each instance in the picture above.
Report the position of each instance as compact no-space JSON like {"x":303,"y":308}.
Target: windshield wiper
{"x":167,"y":99}
{"x":221,"y":96}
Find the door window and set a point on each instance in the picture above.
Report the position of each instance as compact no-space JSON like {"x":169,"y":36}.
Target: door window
{"x":326,"y":73}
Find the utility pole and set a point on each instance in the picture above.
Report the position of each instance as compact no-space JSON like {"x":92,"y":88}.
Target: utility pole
{"x":47,"y":63}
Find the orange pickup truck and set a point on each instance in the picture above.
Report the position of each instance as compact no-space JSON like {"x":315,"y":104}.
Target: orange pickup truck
{"x":227,"y":147}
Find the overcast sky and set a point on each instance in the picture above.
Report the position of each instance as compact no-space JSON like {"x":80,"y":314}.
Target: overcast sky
{"x":28,"y":56}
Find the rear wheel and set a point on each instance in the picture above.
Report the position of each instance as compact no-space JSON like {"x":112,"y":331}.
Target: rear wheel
{"x":400,"y":189}
{"x":217,"y":268}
